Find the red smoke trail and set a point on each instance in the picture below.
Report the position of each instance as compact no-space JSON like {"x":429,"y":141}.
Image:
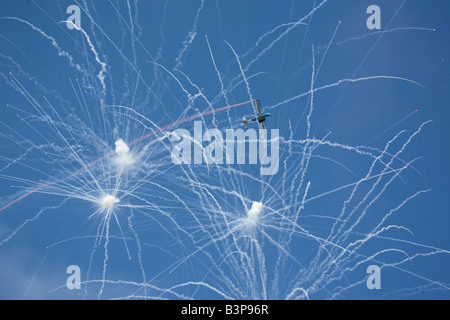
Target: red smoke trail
{"x":176,"y":123}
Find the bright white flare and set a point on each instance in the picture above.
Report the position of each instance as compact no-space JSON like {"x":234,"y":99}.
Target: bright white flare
{"x":121,"y":147}
{"x":109,"y":201}
{"x":253,"y":213}
{"x":123,"y":153}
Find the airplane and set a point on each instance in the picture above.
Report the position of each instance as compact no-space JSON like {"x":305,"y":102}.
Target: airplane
{"x":260,"y":117}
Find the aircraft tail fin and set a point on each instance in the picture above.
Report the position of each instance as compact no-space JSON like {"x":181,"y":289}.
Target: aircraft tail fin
{"x":244,"y":120}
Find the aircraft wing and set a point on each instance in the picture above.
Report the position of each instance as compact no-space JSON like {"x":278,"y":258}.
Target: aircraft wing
{"x":262,"y":126}
{"x":258,"y":107}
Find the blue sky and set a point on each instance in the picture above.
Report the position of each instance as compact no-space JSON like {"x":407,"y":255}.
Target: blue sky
{"x":363,"y":173}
